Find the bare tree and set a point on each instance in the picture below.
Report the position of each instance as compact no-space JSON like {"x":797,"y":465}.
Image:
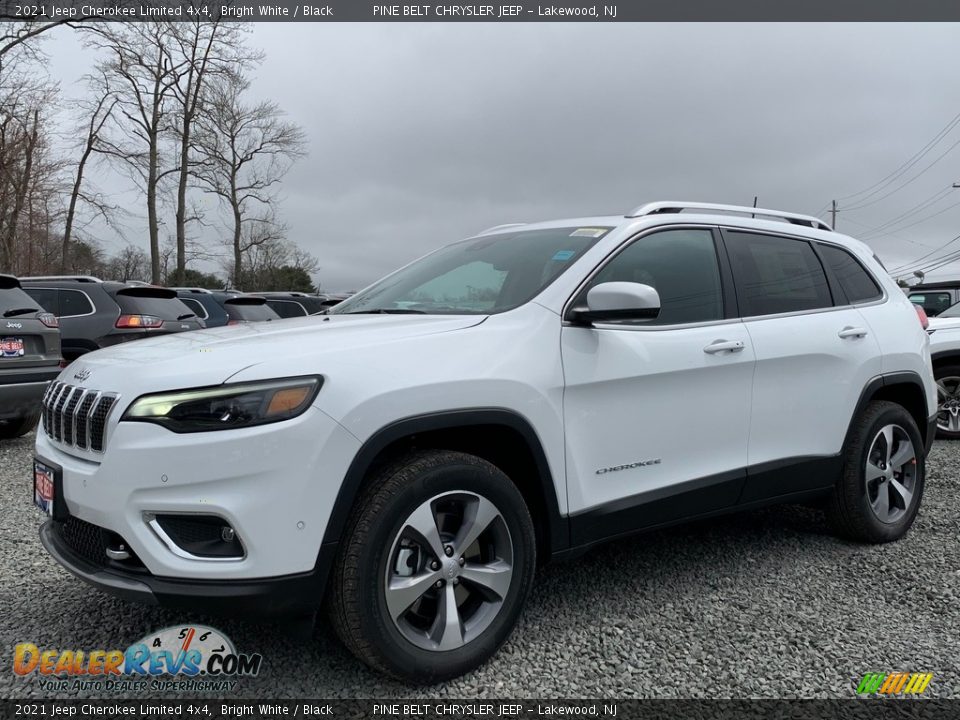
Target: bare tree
{"x":98,"y":111}
{"x":142,"y":74}
{"x":208,"y":48}
{"x":243,"y":151}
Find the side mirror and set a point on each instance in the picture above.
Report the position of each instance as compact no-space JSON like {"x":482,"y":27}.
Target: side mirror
{"x":618,"y":301}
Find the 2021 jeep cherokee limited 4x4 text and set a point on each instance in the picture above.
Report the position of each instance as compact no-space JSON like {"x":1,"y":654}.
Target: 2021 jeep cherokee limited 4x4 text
{"x":521,"y":395}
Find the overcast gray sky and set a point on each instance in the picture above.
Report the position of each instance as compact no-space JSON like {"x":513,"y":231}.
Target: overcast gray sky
{"x":421,"y":134}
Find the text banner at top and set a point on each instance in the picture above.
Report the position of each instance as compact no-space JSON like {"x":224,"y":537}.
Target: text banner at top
{"x":557,"y":11}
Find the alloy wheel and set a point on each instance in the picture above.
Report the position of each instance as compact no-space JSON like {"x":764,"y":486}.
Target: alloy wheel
{"x":449,"y":571}
{"x":948,"y":404}
{"x":891,"y":473}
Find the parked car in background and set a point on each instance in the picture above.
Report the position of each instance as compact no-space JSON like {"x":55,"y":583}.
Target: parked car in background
{"x":226,"y":307}
{"x":517,"y":396}
{"x":332,"y":299}
{"x":94,"y":313}
{"x":293,"y":304}
{"x":935,"y":297}
{"x":944,"y":331}
{"x":29,"y":357}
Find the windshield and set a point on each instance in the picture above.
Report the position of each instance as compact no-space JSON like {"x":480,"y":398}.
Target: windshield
{"x":479,"y":276}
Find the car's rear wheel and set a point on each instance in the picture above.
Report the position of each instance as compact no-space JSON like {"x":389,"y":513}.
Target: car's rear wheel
{"x":878,"y":494}
{"x":436,"y":564}
{"x":18,"y":427}
{"x":948,"y":401}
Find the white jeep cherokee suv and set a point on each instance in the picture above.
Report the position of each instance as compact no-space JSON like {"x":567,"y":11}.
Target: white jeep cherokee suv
{"x":508,"y":399}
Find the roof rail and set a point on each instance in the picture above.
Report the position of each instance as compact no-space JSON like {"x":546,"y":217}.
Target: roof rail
{"x":49,"y":278}
{"x":505,"y":226}
{"x":663,"y":207}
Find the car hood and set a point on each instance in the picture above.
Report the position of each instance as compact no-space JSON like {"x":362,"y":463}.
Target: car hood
{"x":213,"y":356}
{"x":942,"y":323}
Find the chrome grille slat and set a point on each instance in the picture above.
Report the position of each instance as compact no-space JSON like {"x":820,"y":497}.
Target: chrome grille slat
{"x":77,"y":416}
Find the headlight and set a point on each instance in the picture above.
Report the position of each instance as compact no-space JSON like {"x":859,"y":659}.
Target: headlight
{"x":225,"y":407}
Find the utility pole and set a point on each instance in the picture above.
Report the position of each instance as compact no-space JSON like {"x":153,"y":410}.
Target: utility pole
{"x":833,"y":214}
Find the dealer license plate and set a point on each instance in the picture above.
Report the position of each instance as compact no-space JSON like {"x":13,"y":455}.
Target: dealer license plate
{"x":43,"y":486}
{"x":11,"y":347}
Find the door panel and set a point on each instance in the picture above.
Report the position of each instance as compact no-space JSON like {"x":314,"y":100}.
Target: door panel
{"x":653,"y":396}
{"x":808,"y":381}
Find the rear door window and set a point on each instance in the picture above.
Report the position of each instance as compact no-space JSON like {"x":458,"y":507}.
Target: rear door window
{"x":776,"y":274}
{"x":74,"y":302}
{"x":46,"y":297}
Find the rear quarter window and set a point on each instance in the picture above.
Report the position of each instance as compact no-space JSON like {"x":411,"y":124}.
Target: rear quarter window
{"x":856,"y":283}
{"x":74,"y":302}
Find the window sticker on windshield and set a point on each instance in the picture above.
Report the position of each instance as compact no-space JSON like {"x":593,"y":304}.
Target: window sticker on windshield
{"x":588,"y":232}
{"x":564,"y":254}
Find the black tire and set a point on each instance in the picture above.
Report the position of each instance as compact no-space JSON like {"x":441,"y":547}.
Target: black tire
{"x":849,"y":509}
{"x":10,"y":429}
{"x":358,"y":607}
{"x":947,"y":372}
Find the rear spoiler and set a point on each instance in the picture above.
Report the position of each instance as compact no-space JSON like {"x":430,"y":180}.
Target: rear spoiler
{"x":148,"y":292}
{"x":8,"y":282}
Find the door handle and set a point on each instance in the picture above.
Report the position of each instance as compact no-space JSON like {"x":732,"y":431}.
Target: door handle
{"x":718,"y":346}
{"x":852,"y":332}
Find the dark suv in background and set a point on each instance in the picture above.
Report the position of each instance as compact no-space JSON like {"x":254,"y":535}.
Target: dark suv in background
{"x":295,"y":304}
{"x":29,"y":357}
{"x":225,"y":307}
{"x":95,"y":313}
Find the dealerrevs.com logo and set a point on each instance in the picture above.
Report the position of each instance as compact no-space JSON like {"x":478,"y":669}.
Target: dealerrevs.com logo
{"x":185,"y":658}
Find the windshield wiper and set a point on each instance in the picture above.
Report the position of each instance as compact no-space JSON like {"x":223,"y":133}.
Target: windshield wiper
{"x":20,"y":311}
{"x":184,"y":317}
{"x":385,"y":311}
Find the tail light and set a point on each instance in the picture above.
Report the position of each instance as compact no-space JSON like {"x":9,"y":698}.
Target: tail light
{"x":63,"y":363}
{"x":233,"y":322}
{"x":139,"y":321}
{"x":48,"y":319}
{"x":922,"y":314}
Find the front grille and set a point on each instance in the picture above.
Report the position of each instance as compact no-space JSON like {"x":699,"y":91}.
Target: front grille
{"x":76,"y":416}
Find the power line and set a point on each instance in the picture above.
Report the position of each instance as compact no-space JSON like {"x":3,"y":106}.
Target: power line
{"x":910,"y":162}
{"x":917,"y":264}
{"x":901,"y":187}
{"x":932,"y":200}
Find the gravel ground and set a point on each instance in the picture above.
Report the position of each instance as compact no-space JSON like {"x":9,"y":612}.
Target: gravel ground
{"x":759,"y":605}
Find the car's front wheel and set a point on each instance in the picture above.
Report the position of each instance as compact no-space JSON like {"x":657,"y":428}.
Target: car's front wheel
{"x":948,"y":401}
{"x":436,"y":563}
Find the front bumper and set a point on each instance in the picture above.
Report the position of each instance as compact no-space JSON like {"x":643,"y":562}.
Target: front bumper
{"x":287,"y":596}
{"x":273,"y":484}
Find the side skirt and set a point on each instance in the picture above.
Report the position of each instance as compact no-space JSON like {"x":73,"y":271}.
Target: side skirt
{"x":787,"y":481}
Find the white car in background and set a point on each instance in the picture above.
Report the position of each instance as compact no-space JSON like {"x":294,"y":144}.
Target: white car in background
{"x":944,"y":331}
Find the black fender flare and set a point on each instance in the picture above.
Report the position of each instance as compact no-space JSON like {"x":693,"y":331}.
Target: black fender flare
{"x":557,"y":528}
{"x":906,"y":377}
